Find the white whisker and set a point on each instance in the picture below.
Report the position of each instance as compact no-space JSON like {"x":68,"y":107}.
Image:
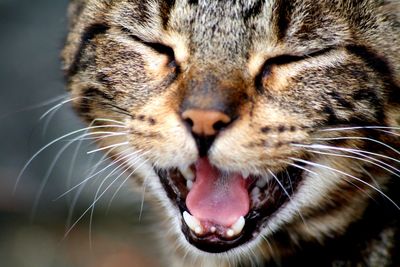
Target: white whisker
{"x":300,"y":167}
{"x":348,"y":175}
{"x":119,"y":167}
{"x":288,"y":195}
{"x":36,"y":106}
{"x":93,"y":175}
{"x":357,"y":158}
{"x":68,"y":182}
{"x":48,"y":120}
{"x":59,"y":105}
{"x":110,"y":120}
{"x":143,"y":193}
{"x":96,"y":200}
{"x":389,"y":132}
{"x":48,"y":173}
{"x":369,"y":174}
{"x":107,"y":147}
{"x":80,"y":189}
{"x":351,"y":150}
{"x":357,"y":138}
{"x":359,"y":128}
{"x":103,"y":135}
{"x":117,"y":155}
{"x":50,"y":144}
{"x":365,"y":158}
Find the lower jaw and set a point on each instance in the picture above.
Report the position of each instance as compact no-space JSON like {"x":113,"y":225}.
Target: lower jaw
{"x":256,"y":219}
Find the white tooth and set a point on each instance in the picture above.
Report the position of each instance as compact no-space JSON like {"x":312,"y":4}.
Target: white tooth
{"x":237,"y":227}
{"x":198,"y":230}
{"x":213,"y":229}
{"x":245,"y":174}
{"x":187,"y":173}
{"x":192,"y":222}
{"x":230,"y":233}
{"x":189,"y":184}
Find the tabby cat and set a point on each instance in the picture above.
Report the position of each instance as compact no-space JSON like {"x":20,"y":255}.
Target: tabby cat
{"x":264,"y":132}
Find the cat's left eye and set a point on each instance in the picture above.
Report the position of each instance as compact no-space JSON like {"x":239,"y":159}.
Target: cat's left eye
{"x":284,"y":60}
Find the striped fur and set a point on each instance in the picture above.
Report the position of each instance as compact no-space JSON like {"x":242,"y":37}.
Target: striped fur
{"x":297,"y":74}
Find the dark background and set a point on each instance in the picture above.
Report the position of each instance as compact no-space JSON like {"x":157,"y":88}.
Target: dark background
{"x":33,"y":222}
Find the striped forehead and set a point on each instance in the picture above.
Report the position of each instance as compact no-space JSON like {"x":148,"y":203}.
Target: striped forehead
{"x":219,"y":28}
{"x":229,"y":31}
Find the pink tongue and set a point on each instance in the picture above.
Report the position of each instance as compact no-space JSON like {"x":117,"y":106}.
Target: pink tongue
{"x":216,"y":198}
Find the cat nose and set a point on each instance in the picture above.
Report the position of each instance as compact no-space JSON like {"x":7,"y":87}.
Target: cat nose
{"x":205,"y":125}
{"x":205,"y":122}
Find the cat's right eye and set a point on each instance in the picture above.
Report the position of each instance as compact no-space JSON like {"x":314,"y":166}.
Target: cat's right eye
{"x":157,"y":47}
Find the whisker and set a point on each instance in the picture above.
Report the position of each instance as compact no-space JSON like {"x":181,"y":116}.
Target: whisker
{"x":72,"y":164}
{"x":355,"y":152}
{"x":119,"y":167}
{"x":48,"y":145}
{"x":77,"y":150}
{"x":48,"y":120}
{"x":104,"y":159}
{"x":56,"y":107}
{"x":107,"y":147}
{"x":317,"y":175}
{"x":358,"y":128}
{"x":389,"y":132}
{"x":110,"y":120}
{"x":48,"y":173}
{"x":319,"y":146}
{"x":95,"y":138}
{"x":68,"y":181}
{"x":369,"y":174}
{"x":137,"y":158}
{"x":89,"y":208}
{"x":288,"y":195}
{"x":143,"y":193}
{"x":290,"y":180}
{"x":93,"y":175}
{"x":348,"y":175}
{"x":267,"y":241}
{"x":36,"y":106}
{"x":80,"y":189}
{"x":300,"y":167}
{"x":357,"y":158}
{"x":118,"y":109}
{"x":357,"y":138}
{"x":118,"y":189}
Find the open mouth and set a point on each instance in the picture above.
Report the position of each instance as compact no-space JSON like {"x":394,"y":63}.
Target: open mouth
{"x":221,"y":211}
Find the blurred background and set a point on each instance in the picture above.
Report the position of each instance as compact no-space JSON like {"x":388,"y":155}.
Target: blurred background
{"x":42,"y":223}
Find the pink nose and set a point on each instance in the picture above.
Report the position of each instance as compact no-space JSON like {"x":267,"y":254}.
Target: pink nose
{"x":205,"y":122}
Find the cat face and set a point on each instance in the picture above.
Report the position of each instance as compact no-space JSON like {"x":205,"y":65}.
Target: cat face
{"x":246,"y":118}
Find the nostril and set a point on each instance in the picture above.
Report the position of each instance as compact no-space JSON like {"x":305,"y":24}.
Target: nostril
{"x":205,"y":122}
{"x":189,"y":122}
{"x":219,"y":125}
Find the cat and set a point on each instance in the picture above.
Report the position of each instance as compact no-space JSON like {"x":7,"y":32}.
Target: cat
{"x":265,"y":132}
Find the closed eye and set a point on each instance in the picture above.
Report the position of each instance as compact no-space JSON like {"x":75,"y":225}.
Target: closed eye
{"x":284,"y":60}
{"x":157,"y":47}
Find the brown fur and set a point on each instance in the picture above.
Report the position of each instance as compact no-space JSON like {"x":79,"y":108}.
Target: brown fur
{"x":284,"y":70}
